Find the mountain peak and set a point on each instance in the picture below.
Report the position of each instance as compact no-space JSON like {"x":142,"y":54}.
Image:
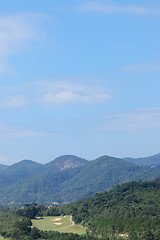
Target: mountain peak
{"x":65,"y":162}
{"x":26,"y":163}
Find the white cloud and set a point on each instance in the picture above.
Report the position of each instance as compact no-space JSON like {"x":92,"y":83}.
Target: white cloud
{"x":62,"y":97}
{"x":14,"y":32}
{"x":71,"y":97}
{"x":62,"y":93}
{"x":16,"y":101}
{"x":52,"y":93}
{"x":113,"y":9}
{"x":145,"y":119}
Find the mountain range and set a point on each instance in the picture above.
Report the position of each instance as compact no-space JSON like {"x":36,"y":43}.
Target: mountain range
{"x":69,"y":178}
{"x":148,"y":161}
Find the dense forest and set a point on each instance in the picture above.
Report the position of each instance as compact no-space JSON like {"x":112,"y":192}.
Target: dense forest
{"x":132,"y":208}
{"x":69,"y":178}
{"x":130,"y":211}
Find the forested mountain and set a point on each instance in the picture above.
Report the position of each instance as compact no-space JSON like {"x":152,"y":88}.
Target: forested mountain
{"x":148,"y":161}
{"x":65,"y":162}
{"x":132,"y":209}
{"x":67,"y":179}
{"x":2,"y":167}
{"x":18,"y":172}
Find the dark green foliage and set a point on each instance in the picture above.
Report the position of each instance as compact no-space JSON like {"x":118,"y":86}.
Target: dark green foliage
{"x":132,"y":207}
{"x":31,"y":211}
{"x":13,"y":226}
{"x":54,"y":211}
{"x":28,"y":181}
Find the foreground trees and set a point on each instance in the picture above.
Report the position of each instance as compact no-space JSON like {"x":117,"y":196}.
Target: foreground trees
{"x":131,"y":210}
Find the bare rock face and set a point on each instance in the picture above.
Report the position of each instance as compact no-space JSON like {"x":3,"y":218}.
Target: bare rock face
{"x":65,"y":162}
{"x":69,"y":163}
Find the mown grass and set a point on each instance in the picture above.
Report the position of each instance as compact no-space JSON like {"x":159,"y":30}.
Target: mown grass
{"x":47,"y":223}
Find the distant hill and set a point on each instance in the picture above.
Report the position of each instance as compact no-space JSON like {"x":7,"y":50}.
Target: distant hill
{"x":67,"y":178}
{"x":3,"y":167}
{"x":102,"y":174}
{"x":147,"y":161}
{"x":19,"y":171}
{"x":65,"y":162}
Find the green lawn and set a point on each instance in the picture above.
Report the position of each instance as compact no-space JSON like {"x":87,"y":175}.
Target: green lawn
{"x":65,"y":224}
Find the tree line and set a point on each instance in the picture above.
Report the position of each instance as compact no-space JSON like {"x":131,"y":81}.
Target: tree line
{"x":132,"y":209}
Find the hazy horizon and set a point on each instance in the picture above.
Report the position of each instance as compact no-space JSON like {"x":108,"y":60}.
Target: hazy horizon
{"x":45,"y":162}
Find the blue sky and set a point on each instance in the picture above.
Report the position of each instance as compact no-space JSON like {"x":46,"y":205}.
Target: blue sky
{"x":79,"y":77}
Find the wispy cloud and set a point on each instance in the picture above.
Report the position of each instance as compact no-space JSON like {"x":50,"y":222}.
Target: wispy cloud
{"x":54,"y":93}
{"x":16,"y":101}
{"x":114,"y":9}
{"x":62,"y":93}
{"x":14,"y":32}
{"x":7,"y":131}
{"x":73,"y":97}
{"x":144,"y":119}
{"x":140,"y":67}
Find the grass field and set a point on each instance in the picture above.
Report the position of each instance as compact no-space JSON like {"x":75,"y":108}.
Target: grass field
{"x":59,"y":223}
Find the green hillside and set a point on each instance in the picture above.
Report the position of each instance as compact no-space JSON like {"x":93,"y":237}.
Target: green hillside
{"x":67,"y":179}
{"x":3,"y":168}
{"x":131,"y":209}
{"x":147,"y":161}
